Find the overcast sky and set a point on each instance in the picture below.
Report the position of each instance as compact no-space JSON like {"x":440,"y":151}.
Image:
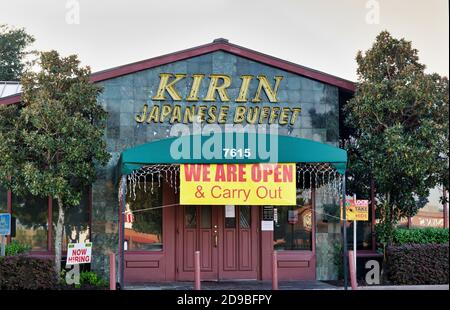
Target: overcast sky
{"x":320,"y":34}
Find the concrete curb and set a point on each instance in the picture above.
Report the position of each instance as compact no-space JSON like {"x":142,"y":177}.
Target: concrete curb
{"x":444,"y":287}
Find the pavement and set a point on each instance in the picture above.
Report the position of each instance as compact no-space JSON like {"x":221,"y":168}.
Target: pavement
{"x":234,"y":285}
{"x":267,"y":285}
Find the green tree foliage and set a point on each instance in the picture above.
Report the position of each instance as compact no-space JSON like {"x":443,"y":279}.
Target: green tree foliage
{"x":399,"y":116}
{"x":13,"y":43}
{"x":51,"y":143}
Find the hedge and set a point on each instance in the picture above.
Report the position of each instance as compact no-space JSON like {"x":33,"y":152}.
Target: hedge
{"x":25,"y":272}
{"x":415,"y":264}
{"x":420,"y":235}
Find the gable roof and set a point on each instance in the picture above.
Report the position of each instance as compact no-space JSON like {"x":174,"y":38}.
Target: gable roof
{"x":216,"y":45}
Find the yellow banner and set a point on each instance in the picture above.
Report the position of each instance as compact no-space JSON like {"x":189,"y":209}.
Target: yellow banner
{"x":238,"y":184}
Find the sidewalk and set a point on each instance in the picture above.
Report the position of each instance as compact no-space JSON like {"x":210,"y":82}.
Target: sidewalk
{"x":235,"y":285}
{"x":267,"y":285}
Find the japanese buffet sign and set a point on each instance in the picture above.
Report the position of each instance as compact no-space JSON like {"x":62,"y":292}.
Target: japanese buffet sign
{"x":238,"y":184}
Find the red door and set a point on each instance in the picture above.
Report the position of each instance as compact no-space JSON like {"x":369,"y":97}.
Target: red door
{"x":228,"y":243}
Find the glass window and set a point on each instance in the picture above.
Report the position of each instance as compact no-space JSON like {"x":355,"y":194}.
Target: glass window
{"x":76,"y":221}
{"x":143,"y":219}
{"x":190,"y":217}
{"x":206,"y":217}
{"x":293,"y":226}
{"x":244,"y":217}
{"x":3,"y":200}
{"x":31,"y":214}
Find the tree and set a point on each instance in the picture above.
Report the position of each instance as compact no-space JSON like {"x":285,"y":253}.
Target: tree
{"x":399,"y":138}
{"x":13,"y":43}
{"x":52,"y":142}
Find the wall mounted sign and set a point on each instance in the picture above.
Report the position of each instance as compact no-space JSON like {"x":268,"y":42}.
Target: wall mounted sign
{"x":238,"y":184}
{"x":230,"y":211}
{"x":268,"y":213}
{"x":186,"y":102}
{"x":5,"y":224}
{"x":267,"y":225}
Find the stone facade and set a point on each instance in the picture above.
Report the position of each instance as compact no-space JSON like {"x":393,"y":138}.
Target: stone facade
{"x":123,"y":97}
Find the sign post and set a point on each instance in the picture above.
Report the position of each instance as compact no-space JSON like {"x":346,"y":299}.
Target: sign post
{"x":5,"y":230}
{"x":354,"y":237}
{"x":355,"y":210}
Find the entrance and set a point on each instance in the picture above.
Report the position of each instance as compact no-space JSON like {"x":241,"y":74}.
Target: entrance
{"x":228,"y":242}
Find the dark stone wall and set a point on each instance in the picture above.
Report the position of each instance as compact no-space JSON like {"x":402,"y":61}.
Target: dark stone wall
{"x":123,"y":98}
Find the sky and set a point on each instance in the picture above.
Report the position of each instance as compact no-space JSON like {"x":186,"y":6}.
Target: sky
{"x":322,"y":34}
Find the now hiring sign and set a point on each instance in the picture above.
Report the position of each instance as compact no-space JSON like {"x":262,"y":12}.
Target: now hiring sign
{"x":79,"y":253}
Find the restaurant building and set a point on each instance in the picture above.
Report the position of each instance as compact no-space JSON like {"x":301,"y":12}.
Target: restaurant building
{"x":140,"y":206}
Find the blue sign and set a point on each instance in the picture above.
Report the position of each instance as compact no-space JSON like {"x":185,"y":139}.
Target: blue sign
{"x":5,"y":224}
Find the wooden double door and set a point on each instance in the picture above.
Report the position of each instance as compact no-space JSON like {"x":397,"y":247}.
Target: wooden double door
{"x":227,"y":238}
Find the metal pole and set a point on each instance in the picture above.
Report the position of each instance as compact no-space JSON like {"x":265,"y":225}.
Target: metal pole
{"x":3,"y":250}
{"x":352,"y":271}
{"x":445,"y":208}
{"x":354,"y":235}
{"x":344,"y":217}
{"x":122,"y":237}
{"x":112,"y":271}
{"x":197,"y":285}
{"x":274,"y":271}
{"x":372,"y":201}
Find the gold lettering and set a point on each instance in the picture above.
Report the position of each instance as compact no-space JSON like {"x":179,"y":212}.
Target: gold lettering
{"x":176,"y":114}
{"x":201,"y":112}
{"x":252,"y":115}
{"x":154,"y":113}
{"x":166,"y":109}
{"x":223,"y":114}
{"x":193,"y":95}
{"x":140,"y":118}
{"x":221,"y":89}
{"x":270,"y":93}
{"x":243,"y":92}
{"x":284,"y":116}
{"x":189,"y":113}
{"x":274,"y":114}
{"x":239,"y":114}
{"x":169,"y":87}
{"x":295,"y":113}
{"x":264,"y":114}
{"x":211,"y":114}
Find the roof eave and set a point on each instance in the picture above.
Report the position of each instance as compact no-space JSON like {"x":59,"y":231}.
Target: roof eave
{"x":217,"y":45}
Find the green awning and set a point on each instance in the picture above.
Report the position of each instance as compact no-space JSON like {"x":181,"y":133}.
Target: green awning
{"x":261,"y":148}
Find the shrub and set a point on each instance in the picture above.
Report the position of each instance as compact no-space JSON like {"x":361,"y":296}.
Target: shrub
{"x":15,"y":248}
{"x":413,"y":264}
{"x":24,"y":272}
{"x":420,"y":235}
{"x":91,"y":278}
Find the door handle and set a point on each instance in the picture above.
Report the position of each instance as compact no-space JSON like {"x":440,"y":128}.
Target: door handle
{"x":216,"y":239}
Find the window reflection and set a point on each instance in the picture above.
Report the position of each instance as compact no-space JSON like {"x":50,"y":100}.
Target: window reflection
{"x":31,"y":214}
{"x":76,"y":221}
{"x":293,"y":226}
{"x":143,"y":219}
